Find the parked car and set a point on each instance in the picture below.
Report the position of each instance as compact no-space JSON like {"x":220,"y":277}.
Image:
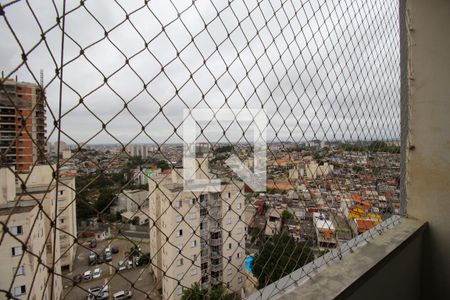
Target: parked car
{"x":87,"y":275}
{"x":97,"y":273}
{"x":98,"y":292}
{"x":100,"y":259}
{"x":93,"y":243}
{"x":108,"y":255}
{"x":121,"y":265}
{"x":114,"y":249}
{"x":125,"y":294}
{"x":136,"y":261}
{"x":77,"y":278}
{"x":92,"y":257}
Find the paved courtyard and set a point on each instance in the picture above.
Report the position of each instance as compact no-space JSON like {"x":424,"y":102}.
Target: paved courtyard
{"x":138,"y":279}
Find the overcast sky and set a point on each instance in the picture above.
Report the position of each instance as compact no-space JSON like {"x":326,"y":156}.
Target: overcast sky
{"x":320,"y":69}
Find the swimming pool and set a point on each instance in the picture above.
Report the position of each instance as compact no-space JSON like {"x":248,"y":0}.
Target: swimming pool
{"x":248,"y":263}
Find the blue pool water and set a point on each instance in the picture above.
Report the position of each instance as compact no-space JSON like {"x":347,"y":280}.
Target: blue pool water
{"x":248,"y":263}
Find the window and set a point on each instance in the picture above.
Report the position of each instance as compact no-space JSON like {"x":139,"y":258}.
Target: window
{"x":180,"y":232}
{"x":180,"y":262}
{"x":178,"y":218}
{"x":193,"y":215}
{"x":239,"y":255}
{"x":179,"y":276}
{"x":178,"y":203}
{"x":16,"y":251}
{"x":19,"y":290}
{"x":61,"y":221}
{"x":61,"y":192}
{"x":229,"y":195}
{"x":19,"y":271}
{"x":180,"y":290}
{"x":230,"y":246}
{"x":193,"y":201}
{"x":238,"y":206}
{"x":193,"y":244}
{"x":16,"y":230}
{"x":228,"y":221}
{"x":194,"y":257}
{"x":240,"y":279}
{"x":194,"y":272}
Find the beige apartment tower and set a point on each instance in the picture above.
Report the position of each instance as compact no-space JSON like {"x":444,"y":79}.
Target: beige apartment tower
{"x":27,"y":215}
{"x":196,"y":237}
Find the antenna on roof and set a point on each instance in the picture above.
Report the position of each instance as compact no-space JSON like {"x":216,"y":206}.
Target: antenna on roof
{"x":42,"y":79}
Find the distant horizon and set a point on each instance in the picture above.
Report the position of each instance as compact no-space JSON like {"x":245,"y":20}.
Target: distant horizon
{"x":225,"y":143}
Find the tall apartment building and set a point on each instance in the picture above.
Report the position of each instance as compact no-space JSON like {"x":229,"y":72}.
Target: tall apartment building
{"x":27,"y":215}
{"x":67,"y":221}
{"x":22,"y":124}
{"x":196,"y":237}
{"x":140,"y":150}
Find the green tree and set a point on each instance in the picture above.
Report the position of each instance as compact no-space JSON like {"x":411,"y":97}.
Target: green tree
{"x":162,"y":164}
{"x":221,"y":293}
{"x":279,"y":256}
{"x":144,"y":259}
{"x":286,"y":215}
{"x":84,"y":210}
{"x":195,"y":292}
{"x":104,"y":201}
{"x":134,"y":252}
{"x":224,"y":149}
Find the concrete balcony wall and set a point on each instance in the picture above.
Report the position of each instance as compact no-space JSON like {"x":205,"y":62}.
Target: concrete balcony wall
{"x":389,"y":266}
{"x":427,"y":178}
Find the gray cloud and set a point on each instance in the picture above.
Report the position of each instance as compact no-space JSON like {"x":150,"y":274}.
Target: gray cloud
{"x":322,"y":69}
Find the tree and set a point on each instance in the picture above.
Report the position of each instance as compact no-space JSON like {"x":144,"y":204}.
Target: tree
{"x":286,"y":215}
{"x":279,"y":256}
{"x":224,"y":149}
{"x":144,"y":259}
{"x":134,"y":252}
{"x":194,"y":293}
{"x":162,"y":164}
{"x":84,"y":210}
{"x":221,"y":293}
{"x":104,"y":200}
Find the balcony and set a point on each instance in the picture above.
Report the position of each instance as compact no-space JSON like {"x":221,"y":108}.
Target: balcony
{"x":217,"y":267}
{"x":215,"y":255}
{"x":215,"y":242}
{"x":216,"y":280}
